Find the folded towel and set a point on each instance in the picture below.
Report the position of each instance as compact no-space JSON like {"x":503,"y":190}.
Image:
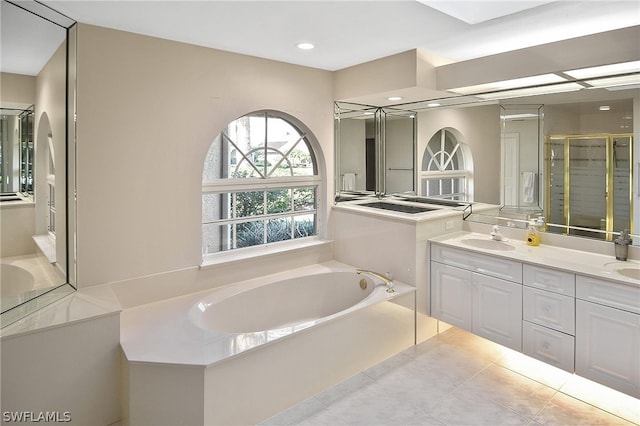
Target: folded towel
{"x":349,"y":182}
{"x":528,"y":186}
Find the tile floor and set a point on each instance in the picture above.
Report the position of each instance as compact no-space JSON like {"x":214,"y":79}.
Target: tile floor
{"x":457,"y":378}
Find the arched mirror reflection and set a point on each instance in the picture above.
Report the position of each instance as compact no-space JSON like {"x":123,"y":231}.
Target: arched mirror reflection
{"x":33,"y":177}
{"x":447,"y":167}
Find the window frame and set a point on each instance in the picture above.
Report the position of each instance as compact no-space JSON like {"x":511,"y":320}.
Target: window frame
{"x":231,"y":186}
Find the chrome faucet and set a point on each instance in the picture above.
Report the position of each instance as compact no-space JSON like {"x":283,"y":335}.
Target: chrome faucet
{"x":386,"y":279}
{"x":495,"y":233}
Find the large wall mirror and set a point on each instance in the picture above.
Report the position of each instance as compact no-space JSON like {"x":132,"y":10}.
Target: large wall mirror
{"x":566,"y":155}
{"x":37,"y":164}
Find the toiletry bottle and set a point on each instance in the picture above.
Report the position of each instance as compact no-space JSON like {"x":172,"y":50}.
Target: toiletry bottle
{"x":533,"y":236}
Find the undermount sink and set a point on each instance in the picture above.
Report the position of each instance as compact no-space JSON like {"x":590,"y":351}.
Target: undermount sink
{"x":625,"y":269}
{"x":398,"y":207}
{"x":488,"y":244}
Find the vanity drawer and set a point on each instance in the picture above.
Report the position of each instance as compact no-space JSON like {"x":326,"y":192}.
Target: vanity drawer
{"x":549,"y":279}
{"x":608,"y":293}
{"x":483,"y":264}
{"x":549,"y":309}
{"x":550,"y":346}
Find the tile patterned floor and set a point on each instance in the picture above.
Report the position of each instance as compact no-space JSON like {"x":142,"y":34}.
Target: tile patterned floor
{"x":457,"y":378}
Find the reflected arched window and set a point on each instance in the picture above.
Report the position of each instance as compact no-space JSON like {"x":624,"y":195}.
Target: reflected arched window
{"x":259,"y":184}
{"x":446,"y":167}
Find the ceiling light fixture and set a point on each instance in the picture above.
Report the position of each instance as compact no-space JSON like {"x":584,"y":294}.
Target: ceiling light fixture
{"x":535,"y":80}
{"x":605,"y":70}
{"x":433,"y":104}
{"x":610,"y":82}
{"x":305,"y":46}
{"x":394,"y":98}
{"x":531,"y":91}
{"x":604,"y":108}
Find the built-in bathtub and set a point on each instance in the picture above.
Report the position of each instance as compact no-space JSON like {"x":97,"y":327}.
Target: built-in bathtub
{"x":241,"y":353}
{"x":16,"y":285}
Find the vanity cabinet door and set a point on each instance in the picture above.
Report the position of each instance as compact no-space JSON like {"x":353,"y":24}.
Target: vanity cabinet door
{"x":608,"y":346}
{"x":497,"y":310}
{"x":451,"y":295}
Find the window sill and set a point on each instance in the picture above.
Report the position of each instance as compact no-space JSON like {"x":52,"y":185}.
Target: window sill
{"x":266,"y":250}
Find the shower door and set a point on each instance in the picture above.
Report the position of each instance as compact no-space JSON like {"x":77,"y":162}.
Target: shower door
{"x":588,"y":180}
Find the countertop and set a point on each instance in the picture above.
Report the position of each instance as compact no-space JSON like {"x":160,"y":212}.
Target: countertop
{"x":576,"y":261}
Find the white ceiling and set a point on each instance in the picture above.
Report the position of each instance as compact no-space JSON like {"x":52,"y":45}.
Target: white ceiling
{"x":345,"y":32}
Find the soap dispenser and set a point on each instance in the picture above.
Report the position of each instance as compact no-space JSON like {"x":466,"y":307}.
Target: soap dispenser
{"x":622,"y":245}
{"x":533,"y":236}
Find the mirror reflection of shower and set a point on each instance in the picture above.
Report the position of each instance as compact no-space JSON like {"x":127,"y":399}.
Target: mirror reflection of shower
{"x":583,"y":170}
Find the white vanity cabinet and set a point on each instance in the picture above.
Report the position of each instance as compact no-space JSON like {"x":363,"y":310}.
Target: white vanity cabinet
{"x":608,"y":333}
{"x":580,"y":321}
{"x":548,"y":309}
{"x":478,"y":293}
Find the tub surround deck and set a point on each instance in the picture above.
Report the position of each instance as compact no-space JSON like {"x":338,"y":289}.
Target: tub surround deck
{"x":65,"y":356}
{"x":162,"y":332}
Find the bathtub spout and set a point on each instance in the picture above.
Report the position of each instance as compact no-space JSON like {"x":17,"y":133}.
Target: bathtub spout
{"x":386,"y":279}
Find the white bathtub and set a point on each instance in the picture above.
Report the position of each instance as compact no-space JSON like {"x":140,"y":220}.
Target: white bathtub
{"x":296,"y":302}
{"x":250,"y":350}
{"x":15,"y":280}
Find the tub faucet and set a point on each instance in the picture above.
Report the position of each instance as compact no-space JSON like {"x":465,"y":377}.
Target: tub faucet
{"x":386,"y":279}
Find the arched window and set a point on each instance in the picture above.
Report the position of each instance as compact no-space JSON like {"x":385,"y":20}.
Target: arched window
{"x":259,"y":184}
{"x":446,"y":167}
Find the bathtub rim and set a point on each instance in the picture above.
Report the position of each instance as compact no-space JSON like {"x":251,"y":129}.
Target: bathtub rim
{"x":211,"y":299}
{"x":182,"y":343}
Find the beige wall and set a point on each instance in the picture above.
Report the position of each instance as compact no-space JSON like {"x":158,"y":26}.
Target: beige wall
{"x":480,"y":127}
{"x":17,"y":89}
{"x":148,"y":110}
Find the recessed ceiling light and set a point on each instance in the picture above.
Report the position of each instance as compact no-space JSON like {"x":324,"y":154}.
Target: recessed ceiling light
{"x":604,"y":108}
{"x":305,"y":46}
{"x":394,"y":98}
{"x":433,"y":104}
